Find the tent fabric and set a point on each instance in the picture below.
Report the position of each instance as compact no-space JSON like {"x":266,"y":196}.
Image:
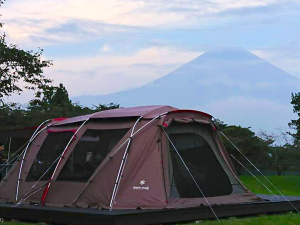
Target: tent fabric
{"x":147,"y":112}
{"x":91,"y":169}
{"x":24,"y":133}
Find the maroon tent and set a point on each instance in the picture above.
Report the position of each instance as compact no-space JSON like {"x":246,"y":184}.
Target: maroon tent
{"x":150,"y":157}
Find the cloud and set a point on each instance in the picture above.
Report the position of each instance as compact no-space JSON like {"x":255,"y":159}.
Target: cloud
{"x":104,"y":74}
{"x":258,"y":113}
{"x":35,"y":18}
{"x":106,"y":48}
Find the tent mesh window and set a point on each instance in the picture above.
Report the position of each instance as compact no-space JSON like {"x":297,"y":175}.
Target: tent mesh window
{"x":52,"y":147}
{"x":200,"y":159}
{"x":88,"y":154}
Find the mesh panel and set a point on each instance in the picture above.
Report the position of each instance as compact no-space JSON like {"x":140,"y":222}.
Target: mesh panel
{"x":88,"y":154}
{"x":202,"y":163}
{"x":50,"y":150}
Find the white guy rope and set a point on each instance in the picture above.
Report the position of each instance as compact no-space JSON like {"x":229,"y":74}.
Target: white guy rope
{"x":253,"y":176}
{"x":191,"y":175}
{"x":258,"y":170}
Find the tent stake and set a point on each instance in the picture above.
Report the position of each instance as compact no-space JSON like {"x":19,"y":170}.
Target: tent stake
{"x":191,"y":175}
{"x":258,"y":170}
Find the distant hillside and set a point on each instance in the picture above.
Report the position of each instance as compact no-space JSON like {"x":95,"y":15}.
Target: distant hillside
{"x":233,"y":84}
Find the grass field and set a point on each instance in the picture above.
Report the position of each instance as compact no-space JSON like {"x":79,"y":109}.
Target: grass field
{"x":287,"y":219}
{"x":288,"y":185}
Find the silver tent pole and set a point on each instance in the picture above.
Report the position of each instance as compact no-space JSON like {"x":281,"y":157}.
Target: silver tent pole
{"x":22,"y":162}
{"x":8,"y":154}
{"x":122,"y":166}
{"x":258,"y":170}
{"x":191,"y":175}
{"x":11,"y":161}
{"x":18,"y":157}
{"x":115,"y":152}
{"x":25,"y":198}
{"x":253,"y":176}
{"x":13,"y":157}
{"x":60,"y":159}
{"x":33,"y":186}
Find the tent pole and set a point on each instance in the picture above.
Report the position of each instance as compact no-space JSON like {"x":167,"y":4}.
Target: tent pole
{"x":25,"y":198}
{"x":253,"y":175}
{"x":96,"y":171}
{"x":258,"y":170}
{"x":34,"y":135}
{"x":60,"y":159}
{"x":13,"y":157}
{"x":8,"y":154}
{"x":191,"y":175}
{"x":33,"y":186}
{"x":17,"y":157}
{"x":122,"y":166}
{"x":115,"y":152}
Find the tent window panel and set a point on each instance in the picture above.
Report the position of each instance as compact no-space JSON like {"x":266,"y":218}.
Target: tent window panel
{"x":52,"y":147}
{"x":88,"y":154}
{"x":202,"y":163}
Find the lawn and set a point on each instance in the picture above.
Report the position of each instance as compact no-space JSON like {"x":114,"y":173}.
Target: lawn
{"x":288,"y":185}
{"x":287,"y":219}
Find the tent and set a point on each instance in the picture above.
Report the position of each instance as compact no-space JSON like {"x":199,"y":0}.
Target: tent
{"x":149,"y":157}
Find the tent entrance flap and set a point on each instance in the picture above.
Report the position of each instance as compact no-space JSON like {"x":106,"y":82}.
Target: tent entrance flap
{"x":200,"y":158}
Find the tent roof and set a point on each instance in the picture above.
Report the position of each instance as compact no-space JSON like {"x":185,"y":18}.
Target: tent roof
{"x":147,"y":112}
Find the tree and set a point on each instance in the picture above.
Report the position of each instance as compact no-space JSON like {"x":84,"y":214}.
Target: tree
{"x":252,"y":146}
{"x":19,"y":65}
{"x":51,"y":102}
{"x":295,"y":124}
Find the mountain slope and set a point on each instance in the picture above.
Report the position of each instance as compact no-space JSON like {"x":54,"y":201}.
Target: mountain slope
{"x":232,"y":84}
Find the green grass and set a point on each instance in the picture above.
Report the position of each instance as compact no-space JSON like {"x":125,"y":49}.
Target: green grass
{"x":288,"y":185}
{"x":287,"y":219}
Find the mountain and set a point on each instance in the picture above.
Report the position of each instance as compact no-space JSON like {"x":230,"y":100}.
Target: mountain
{"x":232,"y":84}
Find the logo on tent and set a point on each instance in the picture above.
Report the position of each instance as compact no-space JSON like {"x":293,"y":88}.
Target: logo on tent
{"x":142,"y":182}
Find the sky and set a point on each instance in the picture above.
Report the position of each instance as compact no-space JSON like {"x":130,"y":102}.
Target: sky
{"x":105,"y":46}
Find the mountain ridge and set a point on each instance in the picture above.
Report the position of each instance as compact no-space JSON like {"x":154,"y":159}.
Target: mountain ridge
{"x":214,"y":78}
